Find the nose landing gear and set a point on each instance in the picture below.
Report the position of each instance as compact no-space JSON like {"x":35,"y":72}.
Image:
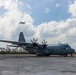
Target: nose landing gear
{"x":71,"y":55}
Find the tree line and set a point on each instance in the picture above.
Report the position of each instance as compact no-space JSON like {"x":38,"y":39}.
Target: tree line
{"x":9,"y":50}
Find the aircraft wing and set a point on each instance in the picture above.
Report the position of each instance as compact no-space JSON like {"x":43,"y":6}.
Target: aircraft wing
{"x":19,"y":44}
{"x":14,"y":42}
{"x":13,"y":46}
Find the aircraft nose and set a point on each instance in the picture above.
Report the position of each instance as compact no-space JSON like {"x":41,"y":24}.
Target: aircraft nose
{"x":73,"y":50}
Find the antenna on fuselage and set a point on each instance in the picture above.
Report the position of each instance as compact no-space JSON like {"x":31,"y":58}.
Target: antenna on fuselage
{"x":59,"y":43}
{"x":67,"y":43}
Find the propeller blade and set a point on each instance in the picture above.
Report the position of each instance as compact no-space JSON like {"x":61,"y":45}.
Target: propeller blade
{"x":31,"y":41}
{"x":35,"y":40}
{"x":44,"y":42}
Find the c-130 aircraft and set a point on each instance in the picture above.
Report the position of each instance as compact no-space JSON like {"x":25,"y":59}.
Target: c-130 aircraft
{"x":41,"y":49}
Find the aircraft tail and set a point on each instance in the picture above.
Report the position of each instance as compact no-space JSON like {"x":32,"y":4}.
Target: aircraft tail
{"x":21,"y":37}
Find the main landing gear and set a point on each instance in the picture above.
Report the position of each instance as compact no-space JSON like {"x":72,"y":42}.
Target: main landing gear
{"x":64,"y":55}
{"x":41,"y":55}
{"x":67,"y":55}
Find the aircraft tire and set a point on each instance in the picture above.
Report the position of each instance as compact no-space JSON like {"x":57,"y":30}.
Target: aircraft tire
{"x":71,"y":55}
{"x":39,"y":55}
{"x":65,"y":55}
{"x":61,"y":55}
{"x":47,"y":55}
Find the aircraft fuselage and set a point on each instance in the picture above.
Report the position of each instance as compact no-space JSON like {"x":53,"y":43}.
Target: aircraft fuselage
{"x":62,"y":49}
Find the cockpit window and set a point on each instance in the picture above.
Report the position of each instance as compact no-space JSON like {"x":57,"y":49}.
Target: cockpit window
{"x":66,"y":46}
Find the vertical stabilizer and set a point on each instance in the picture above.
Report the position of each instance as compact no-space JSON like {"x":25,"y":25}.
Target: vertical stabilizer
{"x":21,"y":37}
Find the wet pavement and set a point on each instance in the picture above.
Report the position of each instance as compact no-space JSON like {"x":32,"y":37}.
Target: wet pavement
{"x":33,"y":65}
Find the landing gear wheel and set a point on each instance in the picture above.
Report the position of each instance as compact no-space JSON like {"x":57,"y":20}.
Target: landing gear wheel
{"x":47,"y":55}
{"x":39,"y":55}
{"x":61,"y":55}
{"x":71,"y":55}
{"x":65,"y":55}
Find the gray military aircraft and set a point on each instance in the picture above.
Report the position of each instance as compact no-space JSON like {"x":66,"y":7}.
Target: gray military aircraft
{"x":41,"y":49}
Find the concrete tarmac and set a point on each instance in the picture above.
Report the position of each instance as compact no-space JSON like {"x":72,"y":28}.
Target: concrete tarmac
{"x":28,"y":64}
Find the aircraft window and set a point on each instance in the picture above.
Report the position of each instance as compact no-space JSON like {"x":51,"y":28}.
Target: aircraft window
{"x":63,"y":48}
{"x":66,"y":46}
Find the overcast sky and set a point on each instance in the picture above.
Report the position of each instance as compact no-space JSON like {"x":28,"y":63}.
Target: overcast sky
{"x":52,"y":20}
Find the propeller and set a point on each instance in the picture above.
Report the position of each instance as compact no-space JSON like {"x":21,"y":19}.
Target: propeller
{"x":44,"y":43}
{"x":34,"y":42}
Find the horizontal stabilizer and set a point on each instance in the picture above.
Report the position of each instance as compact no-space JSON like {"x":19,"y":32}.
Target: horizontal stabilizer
{"x":13,"y":46}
